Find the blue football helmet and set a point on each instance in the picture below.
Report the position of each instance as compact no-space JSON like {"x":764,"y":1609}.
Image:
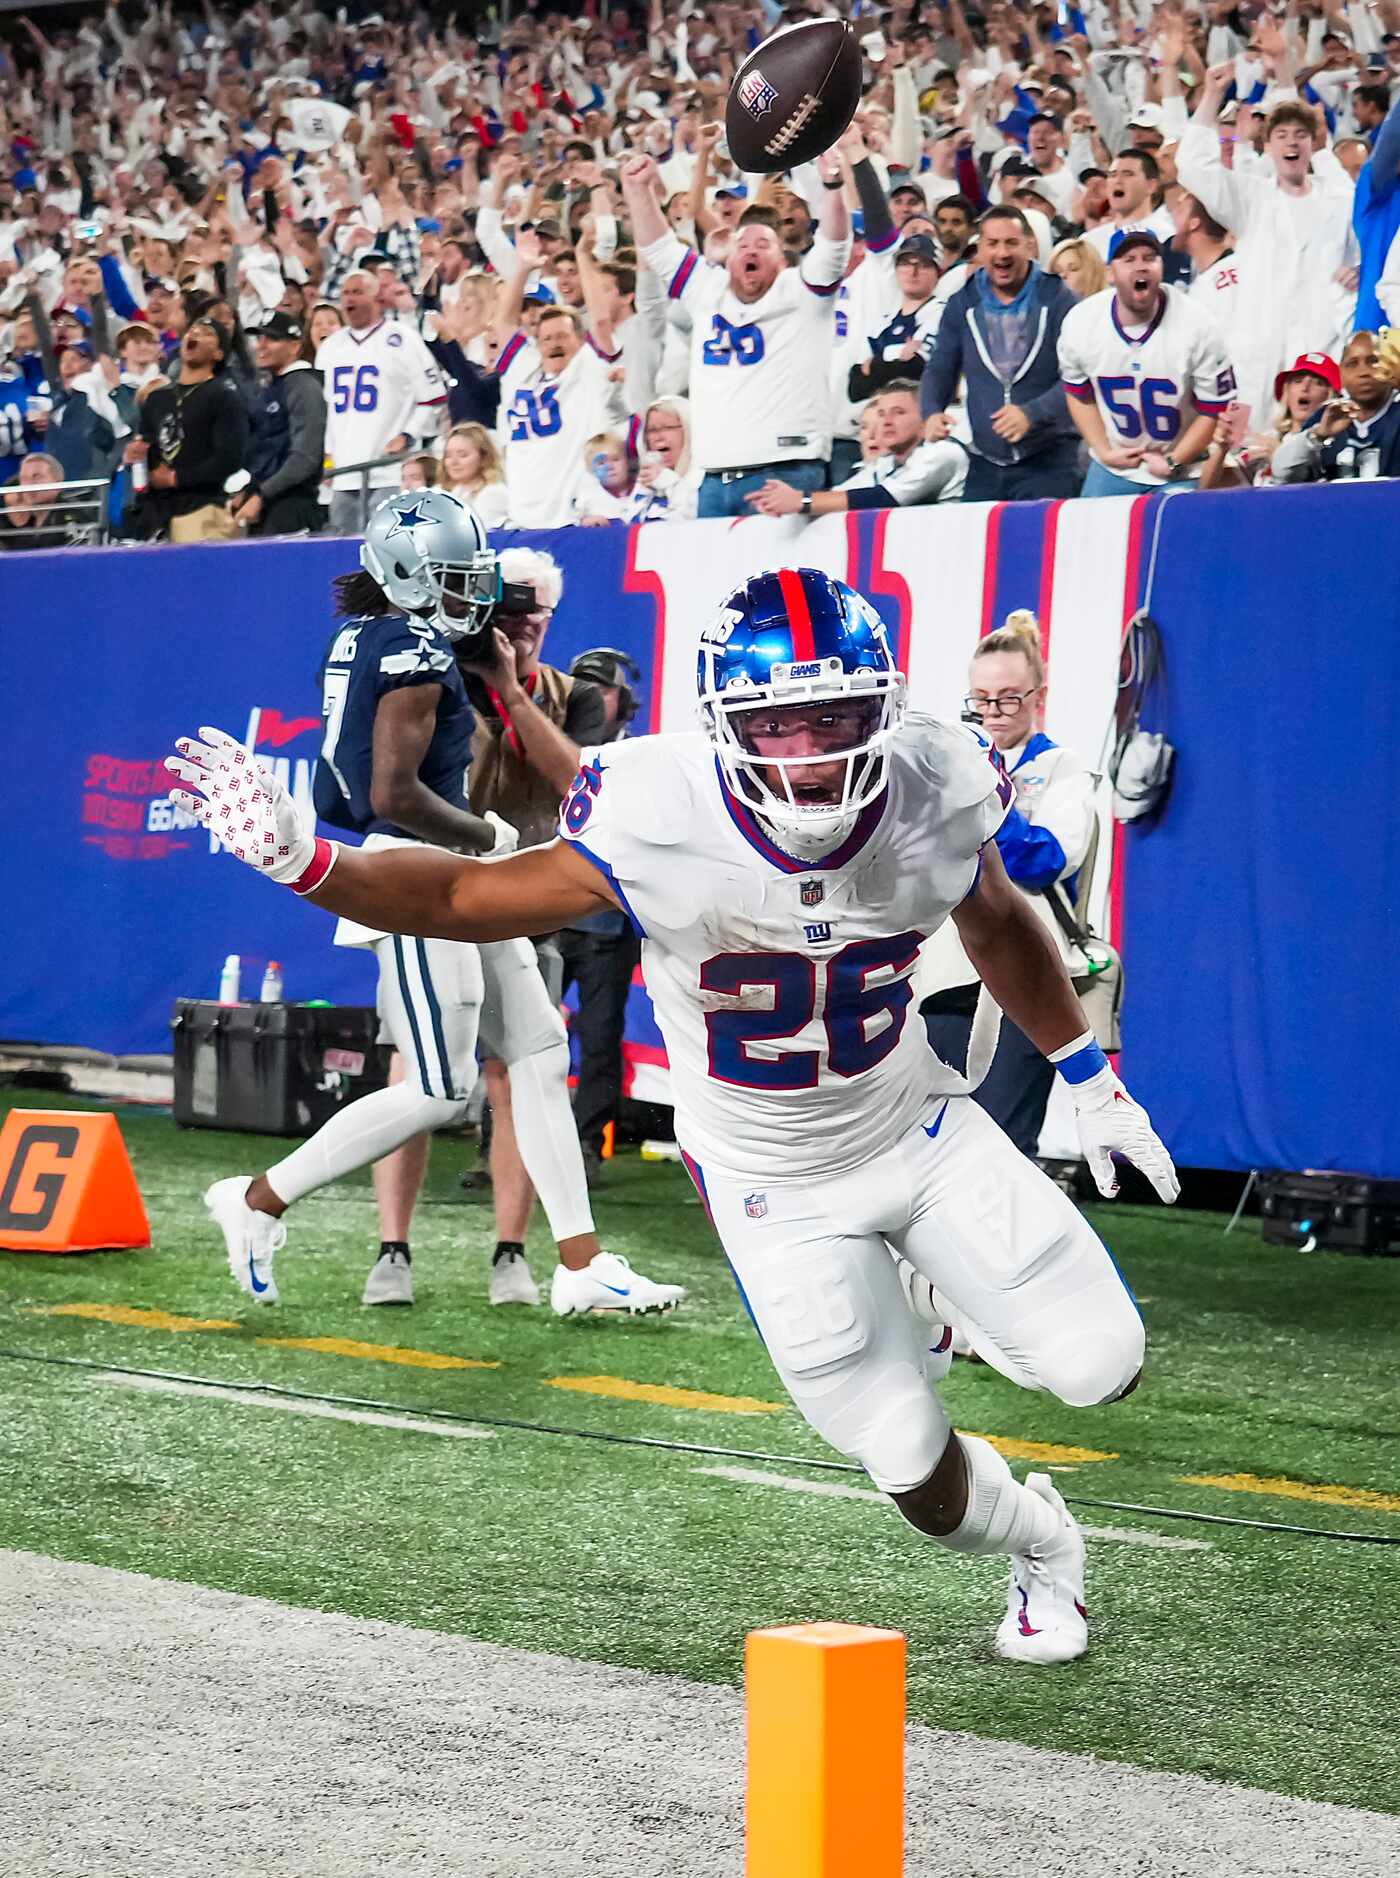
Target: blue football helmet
{"x":797,"y":637}
{"x":430,"y":554}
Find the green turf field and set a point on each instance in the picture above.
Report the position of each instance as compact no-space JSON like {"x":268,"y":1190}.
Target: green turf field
{"x":1268,"y":1658}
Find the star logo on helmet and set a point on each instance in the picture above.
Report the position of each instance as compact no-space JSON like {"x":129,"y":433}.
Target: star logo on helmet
{"x":409,"y":518}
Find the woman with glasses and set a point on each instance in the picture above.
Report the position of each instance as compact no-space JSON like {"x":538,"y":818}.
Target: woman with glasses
{"x":1043,"y":843}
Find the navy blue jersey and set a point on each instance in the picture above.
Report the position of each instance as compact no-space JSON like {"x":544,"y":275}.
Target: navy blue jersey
{"x":369,"y":657}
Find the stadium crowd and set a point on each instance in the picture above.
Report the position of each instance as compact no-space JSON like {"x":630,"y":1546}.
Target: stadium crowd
{"x":1060,"y":250}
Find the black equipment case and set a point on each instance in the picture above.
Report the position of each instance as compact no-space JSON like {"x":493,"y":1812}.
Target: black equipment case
{"x":272,"y":1069}
{"x":1343,"y":1212}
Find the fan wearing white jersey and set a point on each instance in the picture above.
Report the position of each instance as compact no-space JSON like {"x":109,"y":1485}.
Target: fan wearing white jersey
{"x":784,"y":868}
{"x":1146,"y":374}
{"x":384,"y":393}
{"x":557,"y":391}
{"x":761,"y":345}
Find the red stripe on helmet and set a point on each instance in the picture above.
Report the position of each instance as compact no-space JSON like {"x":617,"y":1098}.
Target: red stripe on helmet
{"x":799,"y":614}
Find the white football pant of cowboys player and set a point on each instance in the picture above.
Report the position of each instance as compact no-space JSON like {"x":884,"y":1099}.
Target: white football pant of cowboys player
{"x":785,"y":863}
{"x":392,"y":769}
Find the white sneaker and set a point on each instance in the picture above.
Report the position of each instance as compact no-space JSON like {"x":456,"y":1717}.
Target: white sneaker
{"x":511,"y":1282}
{"x":608,"y":1283}
{"x":390,"y":1280}
{"x":924,"y":1302}
{"x":1045,"y":1620}
{"x":251,"y":1237}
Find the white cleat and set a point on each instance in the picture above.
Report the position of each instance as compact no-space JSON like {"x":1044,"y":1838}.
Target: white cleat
{"x":251,"y":1237}
{"x":390,"y":1280}
{"x":607,"y":1284}
{"x":923,"y":1301}
{"x":511,"y":1282}
{"x":1045,"y":1620}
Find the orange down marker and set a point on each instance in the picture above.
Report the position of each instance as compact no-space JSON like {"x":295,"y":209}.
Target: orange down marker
{"x":66,"y":1184}
{"x":825,"y":1752}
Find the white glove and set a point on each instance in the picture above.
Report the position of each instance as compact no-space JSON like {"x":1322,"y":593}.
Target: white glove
{"x":1110,"y":1123}
{"x":507,"y":836}
{"x":244,"y":805}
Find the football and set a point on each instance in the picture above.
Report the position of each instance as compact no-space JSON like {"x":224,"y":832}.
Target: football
{"x":793,"y":96}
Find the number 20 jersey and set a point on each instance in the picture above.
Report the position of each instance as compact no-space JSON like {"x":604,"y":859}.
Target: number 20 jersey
{"x":783,"y":990}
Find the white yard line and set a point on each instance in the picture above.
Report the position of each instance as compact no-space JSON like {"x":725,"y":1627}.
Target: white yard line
{"x":291,"y":1405}
{"x":168,"y":1729}
{"x":828,"y":1490}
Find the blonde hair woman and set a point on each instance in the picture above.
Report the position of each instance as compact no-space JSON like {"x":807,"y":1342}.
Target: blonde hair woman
{"x":471,"y":471}
{"x":1042,"y":842}
{"x":1079,"y":266}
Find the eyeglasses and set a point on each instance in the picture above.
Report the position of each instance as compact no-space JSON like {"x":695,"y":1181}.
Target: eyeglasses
{"x":1005,"y":705}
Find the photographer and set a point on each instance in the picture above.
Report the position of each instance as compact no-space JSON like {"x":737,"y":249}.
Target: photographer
{"x":601,"y":953}
{"x":532,"y":721}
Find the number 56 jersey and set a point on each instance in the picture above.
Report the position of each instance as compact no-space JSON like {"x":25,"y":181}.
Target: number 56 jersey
{"x":782,"y":988}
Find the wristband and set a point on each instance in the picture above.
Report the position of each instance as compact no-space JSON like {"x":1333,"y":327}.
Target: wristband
{"x":840,"y":183}
{"x":1079,"y":1061}
{"x":321,"y":863}
{"x":806,"y":508}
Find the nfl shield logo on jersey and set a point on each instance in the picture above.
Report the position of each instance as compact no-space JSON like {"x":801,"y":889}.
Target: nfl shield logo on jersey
{"x":756,"y":1205}
{"x":812,"y":892}
{"x":757,"y":95}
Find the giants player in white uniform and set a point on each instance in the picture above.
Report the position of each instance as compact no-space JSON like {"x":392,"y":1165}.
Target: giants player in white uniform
{"x":762,"y":336}
{"x":557,"y":391}
{"x":384,"y":392}
{"x":784,"y":867}
{"x":1146,"y":371}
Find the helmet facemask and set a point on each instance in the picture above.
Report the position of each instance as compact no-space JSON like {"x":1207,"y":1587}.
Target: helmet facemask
{"x":461,"y":596}
{"x":866,"y":708}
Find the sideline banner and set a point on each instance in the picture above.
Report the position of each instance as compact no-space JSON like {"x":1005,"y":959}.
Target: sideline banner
{"x":114,"y":906}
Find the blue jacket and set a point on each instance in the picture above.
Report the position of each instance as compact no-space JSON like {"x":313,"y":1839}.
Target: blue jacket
{"x":961,"y":350}
{"x":1375,"y":216}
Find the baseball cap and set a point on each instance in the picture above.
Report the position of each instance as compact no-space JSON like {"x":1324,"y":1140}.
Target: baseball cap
{"x":1318,"y":363}
{"x":1147,"y":117}
{"x":906,"y":188}
{"x":1133,"y":238}
{"x":140,"y":327}
{"x":280,"y":326}
{"x":917,"y":248}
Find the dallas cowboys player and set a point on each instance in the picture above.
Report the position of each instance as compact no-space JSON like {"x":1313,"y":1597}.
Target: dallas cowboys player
{"x":393,"y":768}
{"x":784,"y":868}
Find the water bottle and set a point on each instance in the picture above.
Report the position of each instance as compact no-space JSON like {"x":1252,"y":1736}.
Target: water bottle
{"x":271,"y":992}
{"x":229,"y":979}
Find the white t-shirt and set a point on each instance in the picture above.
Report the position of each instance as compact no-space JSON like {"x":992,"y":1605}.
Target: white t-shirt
{"x":545,"y":421}
{"x":380,"y":384}
{"x":1149,"y":381}
{"x":1159,"y":221}
{"x":759,"y":370}
{"x":491,"y":502}
{"x":782,"y":988}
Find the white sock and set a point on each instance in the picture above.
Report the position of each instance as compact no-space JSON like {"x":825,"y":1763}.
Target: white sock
{"x":1002,"y":1515}
{"x":362,"y":1132}
{"x":548,"y":1140}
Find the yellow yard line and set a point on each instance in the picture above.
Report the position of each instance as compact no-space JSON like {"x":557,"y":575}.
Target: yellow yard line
{"x":132,"y":1314}
{"x":377,"y":1352}
{"x":624,"y":1391}
{"x":1282,"y":1489}
{"x":1016,"y":1450}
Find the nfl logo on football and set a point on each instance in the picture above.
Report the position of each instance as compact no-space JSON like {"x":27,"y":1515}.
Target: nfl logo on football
{"x":756,"y":1205}
{"x":756,"y":94}
{"x":812,"y":892}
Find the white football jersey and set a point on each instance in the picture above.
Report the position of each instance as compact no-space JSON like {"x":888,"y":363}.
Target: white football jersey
{"x":783,"y":990}
{"x":545,"y":420}
{"x":1149,"y":381}
{"x":1215,"y":287}
{"x":759,"y":370}
{"x":380,"y":384}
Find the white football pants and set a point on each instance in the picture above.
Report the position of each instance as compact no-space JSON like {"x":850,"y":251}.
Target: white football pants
{"x":1018,"y":1265}
{"x":436,"y":998}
